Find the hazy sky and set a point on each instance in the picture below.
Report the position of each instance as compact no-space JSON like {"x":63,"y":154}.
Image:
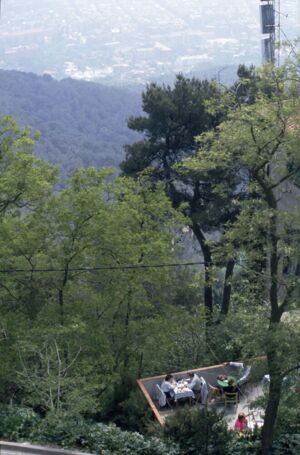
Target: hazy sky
{"x":133,"y":39}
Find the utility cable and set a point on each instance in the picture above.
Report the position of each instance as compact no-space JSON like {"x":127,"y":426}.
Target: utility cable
{"x":95,"y":269}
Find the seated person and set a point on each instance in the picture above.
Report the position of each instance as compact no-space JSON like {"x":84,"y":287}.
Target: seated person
{"x":231,"y":388}
{"x":222,"y":377}
{"x":241,"y":422}
{"x":195,"y":382}
{"x":168,"y":385}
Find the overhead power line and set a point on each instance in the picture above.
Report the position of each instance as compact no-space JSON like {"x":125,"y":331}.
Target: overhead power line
{"x":95,"y":269}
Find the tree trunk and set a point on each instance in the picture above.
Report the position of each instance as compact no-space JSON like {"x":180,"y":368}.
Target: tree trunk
{"x":61,"y":293}
{"x":61,"y":305}
{"x":273,"y":403}
{"x":273,"y":362}
{"x":208,"y":291}
{"x":227,"y":286}
{"x":126,"y":331}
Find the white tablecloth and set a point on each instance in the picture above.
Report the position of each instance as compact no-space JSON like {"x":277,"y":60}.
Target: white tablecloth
{"x":182,"y":393}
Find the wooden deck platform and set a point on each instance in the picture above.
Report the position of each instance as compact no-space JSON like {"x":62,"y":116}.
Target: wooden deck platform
{"x":249,"y":392}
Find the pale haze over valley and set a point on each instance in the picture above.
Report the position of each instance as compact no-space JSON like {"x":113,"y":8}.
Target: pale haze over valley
{"x":133,"y":41}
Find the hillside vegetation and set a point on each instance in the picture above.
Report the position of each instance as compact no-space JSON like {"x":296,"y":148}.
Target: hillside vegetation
{"x":81,"y":123}
{"x":93,"y":293}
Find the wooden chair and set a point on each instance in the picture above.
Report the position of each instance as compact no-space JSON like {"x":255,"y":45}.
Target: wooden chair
{"x":197,"y":398}
{"x":214,"y":394}
{"x":201,"y":396}
{"x":231,"y":398}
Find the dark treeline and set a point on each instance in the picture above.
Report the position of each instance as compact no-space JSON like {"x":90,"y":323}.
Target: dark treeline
{"x":81,"y":123}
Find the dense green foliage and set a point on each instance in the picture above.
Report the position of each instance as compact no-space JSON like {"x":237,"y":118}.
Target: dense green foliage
{"x":81,"y":123}
{"x":74,"y":432}
{"x":256,"y":143}
{"x":73,"y":340}
{"x":236,"y":183}
{"x":59,"y":326}
{"x":199,"y":432}
{"x":90,"y":298}
{"x":175,"y":116}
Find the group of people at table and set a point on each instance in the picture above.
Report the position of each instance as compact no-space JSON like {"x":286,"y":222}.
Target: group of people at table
{"x":195,"y":387}
{"x":192,"y":387}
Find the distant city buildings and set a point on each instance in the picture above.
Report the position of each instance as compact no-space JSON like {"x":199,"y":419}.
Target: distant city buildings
{"x":131,"y":41}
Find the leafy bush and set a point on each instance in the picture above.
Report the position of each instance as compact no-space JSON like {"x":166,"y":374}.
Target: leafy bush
{"x":60,"y":430}
{"x":109,"y":439}
{"x":287,"y":444}
{"x":74,"y":432}
{"x":199,"y":431}
{"x":135,"y":414}
{"x":125,"y":406}
{"x":16,"y":423}
{"x":245,"y":446}
{"x":288,"y":419}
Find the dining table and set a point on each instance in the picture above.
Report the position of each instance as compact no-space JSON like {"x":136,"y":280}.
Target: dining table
{"x":182,"y":391}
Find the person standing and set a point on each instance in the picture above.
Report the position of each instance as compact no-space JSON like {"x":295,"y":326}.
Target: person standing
{"x":241,"y":422}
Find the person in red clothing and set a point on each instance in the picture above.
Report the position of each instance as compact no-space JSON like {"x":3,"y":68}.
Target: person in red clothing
{"x":241,"y":422}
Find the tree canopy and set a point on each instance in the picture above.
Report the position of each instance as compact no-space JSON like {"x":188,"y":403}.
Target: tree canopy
{"x":93,"y":292}
{"x":257,"y":142}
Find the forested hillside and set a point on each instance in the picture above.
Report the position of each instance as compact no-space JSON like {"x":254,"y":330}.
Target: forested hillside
{"x":81,"y":123}
{"x":93,"y":293}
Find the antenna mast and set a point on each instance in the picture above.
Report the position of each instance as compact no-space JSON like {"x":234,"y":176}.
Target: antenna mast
{"x":278,"y":31}
{"x":270,"y":15}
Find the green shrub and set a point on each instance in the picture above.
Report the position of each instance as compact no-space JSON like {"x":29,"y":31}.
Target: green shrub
{"x":287,"y":444}
{"x":109,"y":439}
{"x":126,"y":406}
{"x":16,"y":423}
{"x":135,"y":414}
{"x":244,"y":446}
{"x":288,"y":418}
{"x":72,"y":432}
{"x":59,"y":429}
{"x":63,"y":430}
{"x":199,"y":431}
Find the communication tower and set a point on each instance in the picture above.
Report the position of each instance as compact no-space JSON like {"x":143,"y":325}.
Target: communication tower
{"x":270,"y":29}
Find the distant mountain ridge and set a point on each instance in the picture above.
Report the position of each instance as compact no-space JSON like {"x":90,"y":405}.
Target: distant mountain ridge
{"x":81,"y":123}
